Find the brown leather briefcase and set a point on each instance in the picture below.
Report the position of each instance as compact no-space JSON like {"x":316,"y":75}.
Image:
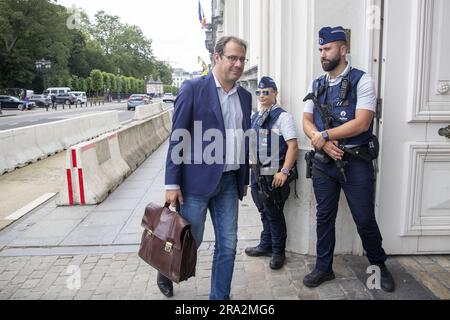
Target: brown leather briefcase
{"x":167,"y":243}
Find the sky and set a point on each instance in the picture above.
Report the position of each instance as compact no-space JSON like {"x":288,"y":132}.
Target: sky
{"x":173,"y":26}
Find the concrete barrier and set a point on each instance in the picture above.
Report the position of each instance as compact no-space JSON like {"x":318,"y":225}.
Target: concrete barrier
{"x":21,"y":146}
{"x":147,"y":111}
{"x":93,"y":170}
{"x":96,"y":168}
{"x":138,"y":141}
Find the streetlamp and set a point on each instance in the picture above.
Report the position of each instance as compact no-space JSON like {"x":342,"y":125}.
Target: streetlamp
{"x":119,"y":84}
{"x":145,"y":84}
{"x":43,"y":66}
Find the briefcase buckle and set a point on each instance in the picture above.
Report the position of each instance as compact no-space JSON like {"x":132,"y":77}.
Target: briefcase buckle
{"x":168,"y":247}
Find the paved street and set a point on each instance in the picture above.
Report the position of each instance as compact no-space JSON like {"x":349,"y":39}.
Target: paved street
{"x":10,"y":119}
{"x":89,"y":253}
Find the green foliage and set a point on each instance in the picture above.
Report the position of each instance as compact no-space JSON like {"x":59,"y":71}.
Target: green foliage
{"x":84,"y":85}
{"x":105,"y":44}
{"x":44,"y":35}
{"x":112,"y":82}
{"x":175,"y":91}
{"x":89,"y":84}
{"x":125,"y":84}
{"x":163,"y":72}
{"x":97,"y":80}
{"x":171,"y":89}
{"x":106,"y":82}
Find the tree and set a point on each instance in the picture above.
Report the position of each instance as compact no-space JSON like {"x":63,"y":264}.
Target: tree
{"x":164,"y":72}
{"x":106,"y":29}
{"x":75,"y":83}
{"x":44,"y":35}
{"x":106,"y":82}
{"x":142,"y":86}
{"x":112,"y":82}
{"x":125,"y":84}
{"x":97,"y":80}
{"x":89,"y":85}
{"x":133,"y":85}
{"x":84,"y":85}
{"x":32,"y":30}
{"x":171,"y":89}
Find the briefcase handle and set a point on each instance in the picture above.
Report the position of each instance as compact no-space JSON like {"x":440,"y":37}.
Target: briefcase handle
{"x":177,"y":209}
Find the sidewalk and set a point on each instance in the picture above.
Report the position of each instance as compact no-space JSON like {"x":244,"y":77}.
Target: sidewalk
{"x":42,"y":255}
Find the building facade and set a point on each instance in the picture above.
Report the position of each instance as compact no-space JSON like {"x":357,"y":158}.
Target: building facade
{"x":179,"y":76}
{"x":401,"y":43}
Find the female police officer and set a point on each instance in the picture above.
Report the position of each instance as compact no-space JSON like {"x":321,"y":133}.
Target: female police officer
{"x":273,"y":168}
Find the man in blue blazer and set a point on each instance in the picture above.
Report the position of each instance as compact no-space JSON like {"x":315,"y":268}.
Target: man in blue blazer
{"x":207,"y":162}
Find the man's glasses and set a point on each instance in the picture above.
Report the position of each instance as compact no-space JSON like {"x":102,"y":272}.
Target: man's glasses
{"x":234,"y":59}
{"x":262,"y":92}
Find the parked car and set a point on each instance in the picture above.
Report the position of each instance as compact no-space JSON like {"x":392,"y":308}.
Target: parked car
{"x":137,"y":100}
{"x":168,"y":97}
{"x":41,"y":100}
{"x":66,"y":98}
{"x":81,"y":96}
{"x":20,"y":93}
{"x":10,"y":102}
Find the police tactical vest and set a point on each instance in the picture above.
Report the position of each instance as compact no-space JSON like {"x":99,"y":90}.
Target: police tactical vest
{"x":343,"y":110}
{"x":264,"y":136}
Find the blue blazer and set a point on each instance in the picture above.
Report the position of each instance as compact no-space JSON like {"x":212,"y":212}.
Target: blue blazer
{"x":198,"y":101}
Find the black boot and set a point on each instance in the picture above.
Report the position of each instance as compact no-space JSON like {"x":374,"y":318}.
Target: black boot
{"x":316,"y":278}
{"x":258,"y":252}
{"x":165,"y":285}
{"x":387,"y":281}
{"x":277,"y":261}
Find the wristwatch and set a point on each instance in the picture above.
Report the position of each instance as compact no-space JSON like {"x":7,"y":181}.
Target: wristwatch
{"x":325,"y":135}
{"x":285,"y":171}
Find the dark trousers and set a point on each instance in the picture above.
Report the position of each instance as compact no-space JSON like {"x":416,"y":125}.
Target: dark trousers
{"x":359,"y":191}
{"x":274,"y":234}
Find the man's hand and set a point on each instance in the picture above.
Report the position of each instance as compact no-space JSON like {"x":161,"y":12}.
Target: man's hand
{"x":279,"y":180}
{"x":317,"y":140}
{"x":333,"y":151}
{"x":174,"y":196}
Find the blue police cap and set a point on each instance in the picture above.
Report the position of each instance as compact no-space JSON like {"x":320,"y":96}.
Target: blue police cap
{"x":267,"y":82}
{"x":329,"y":34}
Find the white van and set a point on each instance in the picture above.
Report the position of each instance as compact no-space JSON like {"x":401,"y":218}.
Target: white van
{"x":56,"y":91}
{"x":81,"y":96}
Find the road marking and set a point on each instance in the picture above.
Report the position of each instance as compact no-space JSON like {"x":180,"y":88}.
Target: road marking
{"x":32,"y":205}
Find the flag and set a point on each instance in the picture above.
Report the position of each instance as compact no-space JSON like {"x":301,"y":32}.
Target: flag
{"x":205,"y":67}
{"x":201,"y":15}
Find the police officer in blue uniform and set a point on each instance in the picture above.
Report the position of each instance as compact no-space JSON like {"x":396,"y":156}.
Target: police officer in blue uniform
{"x":338,"y":118}
{"x":273,"y":167}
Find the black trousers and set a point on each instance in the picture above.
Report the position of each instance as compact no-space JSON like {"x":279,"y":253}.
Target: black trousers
{"x":359,"y":191}
{"x":274,"y":233}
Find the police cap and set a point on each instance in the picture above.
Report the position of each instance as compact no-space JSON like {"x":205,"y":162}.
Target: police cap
{"x":330,"y":34}
{"x":267,"y":82}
